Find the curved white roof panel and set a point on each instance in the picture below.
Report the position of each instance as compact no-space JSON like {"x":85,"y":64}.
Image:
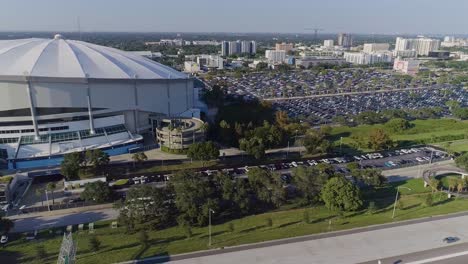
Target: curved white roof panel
{"x":60,"y":58}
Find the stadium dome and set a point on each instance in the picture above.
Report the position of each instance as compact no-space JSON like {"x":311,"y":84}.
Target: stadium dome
{"x":60,"y":96}
{"x":61,"y":58}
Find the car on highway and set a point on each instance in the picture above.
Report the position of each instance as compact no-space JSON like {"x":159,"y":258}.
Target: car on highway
{"x":449,"y":240}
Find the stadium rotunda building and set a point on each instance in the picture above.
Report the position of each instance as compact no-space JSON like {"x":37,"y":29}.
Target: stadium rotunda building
{"x":59,"y":96}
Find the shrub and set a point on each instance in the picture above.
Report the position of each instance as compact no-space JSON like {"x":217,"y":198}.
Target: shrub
{"x":230,"y":227}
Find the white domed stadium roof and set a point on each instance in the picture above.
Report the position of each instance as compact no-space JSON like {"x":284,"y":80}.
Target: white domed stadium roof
{"x":61,"y":58}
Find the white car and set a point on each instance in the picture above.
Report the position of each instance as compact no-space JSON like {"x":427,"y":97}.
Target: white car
{"x":4,"y":239}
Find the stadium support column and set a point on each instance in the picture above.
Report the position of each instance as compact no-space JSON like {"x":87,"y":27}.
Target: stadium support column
{"x":136,"y":114}
{"x":90,"y":107}
{"x":32,"y":107}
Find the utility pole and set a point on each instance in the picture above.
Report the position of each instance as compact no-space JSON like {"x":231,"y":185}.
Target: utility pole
{"x":209,"y":226}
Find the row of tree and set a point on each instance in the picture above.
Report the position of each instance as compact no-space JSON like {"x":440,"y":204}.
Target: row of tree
{"x":189,"y":196}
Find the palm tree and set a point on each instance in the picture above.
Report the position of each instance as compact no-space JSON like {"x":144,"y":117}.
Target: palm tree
{"x":6,"y":225}
{"x":39,"y":192}
{"x":51,"y":187}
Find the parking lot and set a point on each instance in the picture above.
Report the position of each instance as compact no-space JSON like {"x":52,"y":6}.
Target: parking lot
{"x":383,"y":161}
{"x":322,"y":110}
{"x":309,"y":82}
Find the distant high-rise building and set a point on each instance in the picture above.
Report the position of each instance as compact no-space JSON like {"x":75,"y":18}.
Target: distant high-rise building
{"x":345,"y":40}
{"x":328,"y":43}
{"x":422,"y":46}
{"x":253,"y":47}
{"x":234,"y":47}
{"x":449,"y":39}
{"x":245,"y":47}
{"x":225,"y":48}
{"x":275,"y":56}
{"x":284,"y":46}
{"x":229,"y":48}
{"x":373,"y":47}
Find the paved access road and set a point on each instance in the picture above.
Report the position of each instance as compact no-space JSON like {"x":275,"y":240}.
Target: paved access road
{"x":75,"y":216}
{"x":367,"y":246}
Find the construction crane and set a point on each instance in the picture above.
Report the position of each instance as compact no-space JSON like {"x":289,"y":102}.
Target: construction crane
{"x":316,"y":31}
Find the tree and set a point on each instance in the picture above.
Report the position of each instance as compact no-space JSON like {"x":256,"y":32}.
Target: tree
{"x":306,"y":217}
{"x":40,"y":193}
{"x":203,"y":151}
{"x":146,"y":204}
{"x":94,"y":243}
{"x":397,"y":125}
{"x":98,"y":192}
{"x":434,"y":184}
{"x":194,"y":196}
{"x":51,"y":188}
{"x":214,"y":97}
{"x":371,"y":177}
{"x":379,"y":140}
{"x":40,"y":252}
{"x":372,"y":207}
{"x":428,"y":200}
{"x":6,"y":225}
{"x":341,"y":195}
{"x":309,"y":181}
{"x":139,"y":157}
{"x":267,"y":187}
{"x":315,"y":142}
{"x":253,"y":146}
{"x":462,"y":161}
{"x":71,"y":165}
{"x":143,"y":238}
{"x":230,"y":227}
{"x":97,"y":159}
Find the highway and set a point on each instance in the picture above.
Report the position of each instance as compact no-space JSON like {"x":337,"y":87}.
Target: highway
{"x":389,"y":243}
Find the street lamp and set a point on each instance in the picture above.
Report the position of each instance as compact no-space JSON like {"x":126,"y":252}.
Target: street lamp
{"x":396,"y":198}
{"x":341,"y":142}
{"x":47,"y":198}
{"x":209,"y":225}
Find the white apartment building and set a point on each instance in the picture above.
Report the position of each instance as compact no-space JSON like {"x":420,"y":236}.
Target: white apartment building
{"x":211,"y":61}
{"x":374,"y":47}
{"x":407,"y":66}
{"x":404,"y":53}
{"x":363,"y":58}
{"x":328,"y":43}
{"x":191,"y":67}
{"x":275,"y":56}
{"x":422,"y":46}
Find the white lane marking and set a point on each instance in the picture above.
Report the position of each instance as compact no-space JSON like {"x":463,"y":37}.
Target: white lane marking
{"x":449,"y":256}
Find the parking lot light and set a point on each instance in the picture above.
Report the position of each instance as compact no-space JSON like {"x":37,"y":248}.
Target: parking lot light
{"x":396,"y":198}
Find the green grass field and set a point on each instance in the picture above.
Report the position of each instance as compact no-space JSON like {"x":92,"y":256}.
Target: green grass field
{"x":422,"y":129}
{"x":288,"y":222}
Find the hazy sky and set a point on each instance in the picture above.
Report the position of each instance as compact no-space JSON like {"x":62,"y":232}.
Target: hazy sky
{"x":357,"y":16}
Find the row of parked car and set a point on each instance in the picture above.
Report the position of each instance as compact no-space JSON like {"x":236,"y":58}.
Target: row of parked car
{"x":425,"y":156}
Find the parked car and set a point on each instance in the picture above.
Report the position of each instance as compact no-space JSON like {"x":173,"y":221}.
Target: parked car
{"x":4,"y":239}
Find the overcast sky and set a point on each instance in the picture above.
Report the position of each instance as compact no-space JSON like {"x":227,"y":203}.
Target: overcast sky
{"x":356,"y":16}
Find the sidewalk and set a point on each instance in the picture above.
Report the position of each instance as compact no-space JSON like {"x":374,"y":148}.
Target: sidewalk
{"x":63,"y":211}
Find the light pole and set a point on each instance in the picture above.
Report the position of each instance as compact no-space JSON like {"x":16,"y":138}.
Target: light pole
{"x":341,"y":142}
{"x":209,"y":226}
{"x":47,"y":198}
{"x":396,"y":199}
